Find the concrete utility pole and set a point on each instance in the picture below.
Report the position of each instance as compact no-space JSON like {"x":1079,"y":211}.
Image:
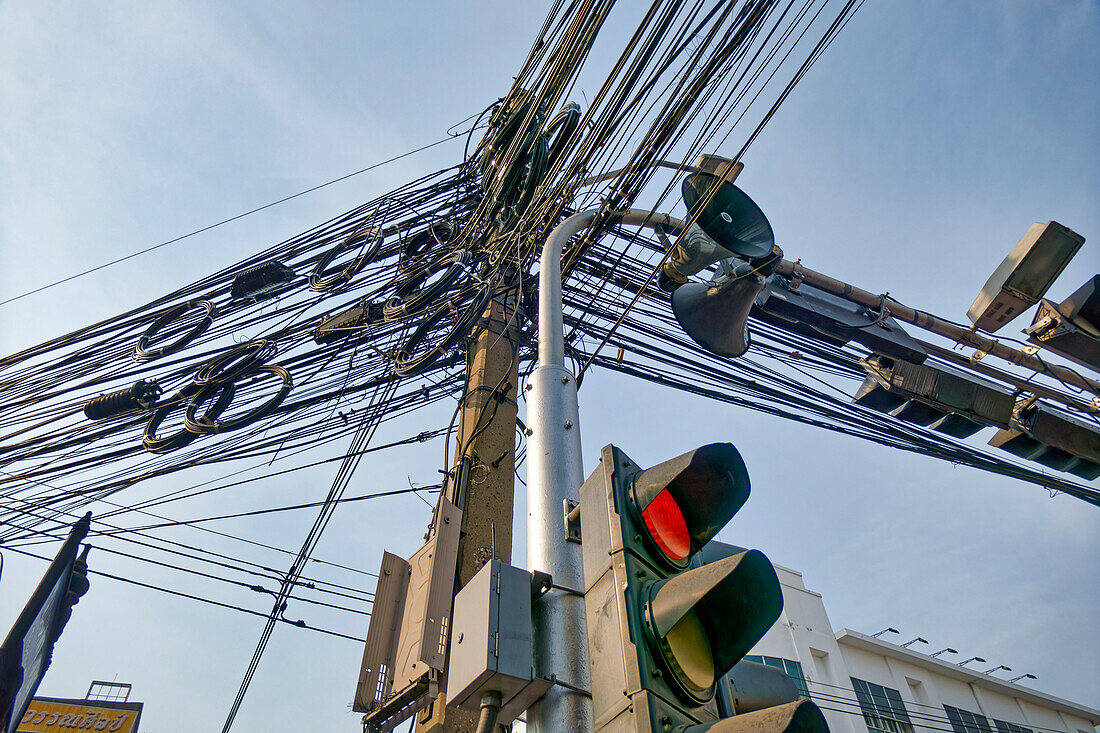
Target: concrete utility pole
{"x":484,"y":470}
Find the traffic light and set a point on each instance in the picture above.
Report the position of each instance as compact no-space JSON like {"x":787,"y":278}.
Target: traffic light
{"x":947,"y":402}
{"x":662,"y":630}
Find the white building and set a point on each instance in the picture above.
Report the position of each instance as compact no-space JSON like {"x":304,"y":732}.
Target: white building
{"x":866,"y":685}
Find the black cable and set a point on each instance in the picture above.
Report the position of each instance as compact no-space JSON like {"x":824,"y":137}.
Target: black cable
{"x":227,"y":221}
{"x":300,"y":624}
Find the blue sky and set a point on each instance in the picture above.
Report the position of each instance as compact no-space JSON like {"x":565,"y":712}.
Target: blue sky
{"x":910,"y":160}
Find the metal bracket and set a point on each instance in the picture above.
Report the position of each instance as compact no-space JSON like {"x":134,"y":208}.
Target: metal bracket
{"x":723,"y":168}
{"x":540,"y":583}
{"x":572,"y":517}
{"x":572,"y":688}
{"x":399,"y":707}
{"x":796,"y":276}
{"x":659,"y":230}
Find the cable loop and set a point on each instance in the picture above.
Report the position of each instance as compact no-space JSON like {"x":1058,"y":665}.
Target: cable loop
{"x":154,"y":444}
{"x":142,"y":352}
{"x":410,"y":362}
{"x":225,"y":390}
{"x":235,"y":362}
{"x":409,"y":300}
{"x":369,"y":237}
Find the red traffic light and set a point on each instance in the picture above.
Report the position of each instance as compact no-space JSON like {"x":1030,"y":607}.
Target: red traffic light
{"x":667,"y":526}
{"x":686,"y":500}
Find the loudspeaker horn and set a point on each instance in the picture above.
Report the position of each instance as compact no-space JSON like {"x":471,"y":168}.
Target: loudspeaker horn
{"x":716,"y":316}
{"x":728,"y":215}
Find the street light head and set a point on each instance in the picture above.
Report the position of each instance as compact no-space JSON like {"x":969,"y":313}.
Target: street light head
{"x":1029,"y":676}
{"x":914,"y":641}
{"x":728,"y":215}
{"x":888,"y":629}
{"x":946,"y":650}
{"x":1024,"y":276}
{"x":972,"y":659}
{"x":991,"y":670}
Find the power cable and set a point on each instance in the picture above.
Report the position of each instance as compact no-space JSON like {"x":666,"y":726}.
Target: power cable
{"x":299,"y":623}
{"x":230,"y":219}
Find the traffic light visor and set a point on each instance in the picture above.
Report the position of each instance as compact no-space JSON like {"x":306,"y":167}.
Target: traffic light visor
{"x":795,"y":717}
{"x":685,"y":501}
{"x":703,"y":621}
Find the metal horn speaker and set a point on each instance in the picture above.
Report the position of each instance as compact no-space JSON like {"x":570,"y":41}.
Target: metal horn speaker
{"x":728,"y":215}
{"x":716,"y":316}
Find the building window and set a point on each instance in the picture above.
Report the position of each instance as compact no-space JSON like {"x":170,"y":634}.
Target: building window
{"x":964,"y":721}
{"x":791,"y":668}
{"x":882,"y":708}
{"x":1003,"y":726}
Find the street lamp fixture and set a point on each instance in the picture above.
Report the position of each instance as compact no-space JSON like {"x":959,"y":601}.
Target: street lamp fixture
{"x":945,"y":649}
{"x":972,"y":659}
{"x":1029,"y":676}
{"x":914,"y":641}
{"x":1025,"y":275}
{"x":888,"y":629}
{"x":994,"y":669}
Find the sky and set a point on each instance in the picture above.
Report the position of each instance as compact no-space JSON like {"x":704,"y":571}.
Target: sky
{"x":910,"y":160}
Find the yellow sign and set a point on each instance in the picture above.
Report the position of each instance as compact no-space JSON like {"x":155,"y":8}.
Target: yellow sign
{"x":54,"y":716}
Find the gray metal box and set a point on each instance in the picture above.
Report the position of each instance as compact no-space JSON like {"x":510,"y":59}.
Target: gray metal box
{"x":422,"y":643}
{"x":1071,"y":329}
{"x":380,"y":651}
{"x":491,"y":642}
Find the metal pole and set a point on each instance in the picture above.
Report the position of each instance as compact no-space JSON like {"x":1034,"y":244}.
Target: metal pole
{"x":555,"y":473}
{"x":936,"y":325}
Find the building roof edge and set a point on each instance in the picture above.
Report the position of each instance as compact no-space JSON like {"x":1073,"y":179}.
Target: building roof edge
{"x":950,"y":669}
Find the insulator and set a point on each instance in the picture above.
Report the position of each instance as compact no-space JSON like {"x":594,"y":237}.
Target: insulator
{"x":141,"y":395}
{"x":257,"y":281}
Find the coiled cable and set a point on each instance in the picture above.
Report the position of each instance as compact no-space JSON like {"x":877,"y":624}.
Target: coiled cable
{"x":235,"y":362}
{"x":225,"y":390}
{"x":142,"y":351}
{"x":448,"y":268}
{"x":413,"y":358}
{"x":369,"y":239}
{"x":154,"y":444}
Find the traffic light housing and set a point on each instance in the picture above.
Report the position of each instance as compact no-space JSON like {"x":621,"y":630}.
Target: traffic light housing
{"x":662,"y":630}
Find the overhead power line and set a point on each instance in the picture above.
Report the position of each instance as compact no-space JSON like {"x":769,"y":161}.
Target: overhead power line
{"x":161,"y":589}
{"x":231,"y":219}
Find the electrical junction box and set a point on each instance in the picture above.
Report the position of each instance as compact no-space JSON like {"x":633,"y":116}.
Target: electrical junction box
{"x":492,"y":642}
{"x":1025,"y":275}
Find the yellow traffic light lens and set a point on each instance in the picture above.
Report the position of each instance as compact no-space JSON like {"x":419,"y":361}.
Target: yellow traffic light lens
{"x":667,"y":526}
{"x":687,"y":651}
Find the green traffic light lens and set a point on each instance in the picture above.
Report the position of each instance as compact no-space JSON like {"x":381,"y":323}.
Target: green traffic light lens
{"x":688,"y":653}
{"x":667,"y":526}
